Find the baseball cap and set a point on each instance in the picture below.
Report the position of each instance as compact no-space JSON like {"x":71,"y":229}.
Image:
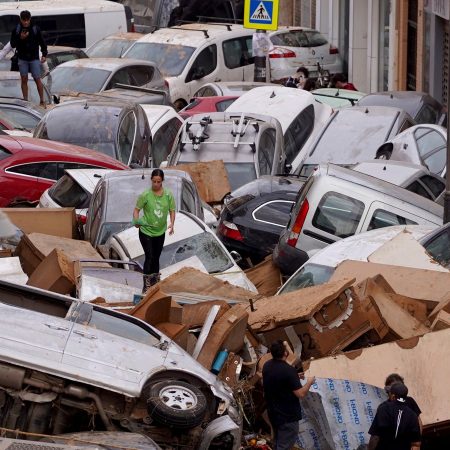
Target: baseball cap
{"x":399,"y":390}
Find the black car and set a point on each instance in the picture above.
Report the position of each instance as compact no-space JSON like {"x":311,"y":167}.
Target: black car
{"x":118,"y":129}
{"x":255,"y":214}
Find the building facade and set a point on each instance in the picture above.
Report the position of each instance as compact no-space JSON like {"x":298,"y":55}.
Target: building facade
{"x":389,"y":44}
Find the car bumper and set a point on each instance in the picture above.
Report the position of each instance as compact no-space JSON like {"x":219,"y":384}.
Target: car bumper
{"x":287,"y":258}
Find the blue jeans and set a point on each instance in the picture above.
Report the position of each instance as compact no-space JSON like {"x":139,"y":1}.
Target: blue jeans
{"x":30,"y":66}
{"x":285,"y":436}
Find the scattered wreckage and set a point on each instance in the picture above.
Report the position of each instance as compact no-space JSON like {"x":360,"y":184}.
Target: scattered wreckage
{"x":194,"y":326}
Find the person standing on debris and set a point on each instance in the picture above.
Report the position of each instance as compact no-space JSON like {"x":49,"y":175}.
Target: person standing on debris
{"x":27,"y":39}
{"x":157,"y":203}
{"x":282,"y":391}
{"x":395,"y":425}
{"x":396,"y":378}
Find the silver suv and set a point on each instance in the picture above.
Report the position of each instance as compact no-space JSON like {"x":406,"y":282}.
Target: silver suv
{"x":67,"y":366}
{"x":250,"y":145}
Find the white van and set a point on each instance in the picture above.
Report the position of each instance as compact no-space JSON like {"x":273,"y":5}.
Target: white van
{"x":75,"y":23}
{"x":336,"y":202}
{"x":193,"y":54}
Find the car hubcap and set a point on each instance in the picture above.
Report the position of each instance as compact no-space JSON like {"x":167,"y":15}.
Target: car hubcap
{"x":177,"y":397}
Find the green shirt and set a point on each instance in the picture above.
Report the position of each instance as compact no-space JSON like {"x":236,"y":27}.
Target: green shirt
{"x":155,"y":208}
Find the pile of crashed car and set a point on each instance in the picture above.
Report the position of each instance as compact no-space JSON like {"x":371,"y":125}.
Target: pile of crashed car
{"x":311,"y":217}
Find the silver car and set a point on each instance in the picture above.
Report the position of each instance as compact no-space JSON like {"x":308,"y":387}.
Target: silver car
{"x":112,"y":203}
{"x":67,"y":365}
{"x":91,"y":75}
{"x":250,"y":145}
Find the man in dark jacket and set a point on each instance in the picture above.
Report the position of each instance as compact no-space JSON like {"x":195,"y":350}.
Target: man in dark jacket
{"x":282,"y":391}
{"x":27,"y":39}
{"x":395,"y":426}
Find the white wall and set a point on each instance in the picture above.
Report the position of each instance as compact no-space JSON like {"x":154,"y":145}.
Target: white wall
{"x":357,"y":64}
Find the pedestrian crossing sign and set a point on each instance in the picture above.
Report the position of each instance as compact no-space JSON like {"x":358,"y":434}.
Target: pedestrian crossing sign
{"x":261,"y":14}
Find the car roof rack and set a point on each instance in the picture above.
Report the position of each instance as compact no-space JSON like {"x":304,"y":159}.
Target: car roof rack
{"x":239,"y":127}
{"x":205,"y":32}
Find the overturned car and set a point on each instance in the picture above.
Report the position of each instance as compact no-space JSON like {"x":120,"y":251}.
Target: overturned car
{"x":67,"y":366}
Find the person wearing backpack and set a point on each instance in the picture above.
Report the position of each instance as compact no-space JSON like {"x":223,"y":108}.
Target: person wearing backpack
{"x":27,"y":39}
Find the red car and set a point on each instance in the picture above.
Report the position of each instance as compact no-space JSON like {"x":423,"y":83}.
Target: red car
{"x":200,"y":105}
{"x":29,"y":166}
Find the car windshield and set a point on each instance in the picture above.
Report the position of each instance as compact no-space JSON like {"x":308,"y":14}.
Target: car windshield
{"x":94,"y":130}
{"x":171,"y":59}
{"x":123,"y":194}
{"x":11,"y":88}
{"x":309,"y":275}
{"x":203,"y":246}
{"x":76,"y":79}
{"x":66,"y":192}
{"x":107,"y":229}
{"x":109,"y":48}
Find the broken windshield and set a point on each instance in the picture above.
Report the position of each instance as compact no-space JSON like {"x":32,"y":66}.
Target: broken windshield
{"x":203,"y":246}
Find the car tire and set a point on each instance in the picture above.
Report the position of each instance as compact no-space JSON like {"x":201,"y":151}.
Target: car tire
{"x":176,"y":404}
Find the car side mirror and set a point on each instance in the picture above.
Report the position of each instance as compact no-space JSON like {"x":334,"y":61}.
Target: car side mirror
{"x":287,"y":168}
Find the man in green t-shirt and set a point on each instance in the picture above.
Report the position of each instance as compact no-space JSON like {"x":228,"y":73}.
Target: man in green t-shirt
{"x":157,"y":203}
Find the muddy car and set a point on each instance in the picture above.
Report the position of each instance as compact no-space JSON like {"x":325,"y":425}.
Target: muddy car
{"x":67,"y":366}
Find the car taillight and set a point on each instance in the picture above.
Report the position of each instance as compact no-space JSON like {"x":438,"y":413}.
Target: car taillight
{"x":281,"y":53}
{"x":298,"y":224}
{"x":82,"y":219}
{"x":333,"y":50}
{"x":230,"y":230}
{"x":132,"y":28}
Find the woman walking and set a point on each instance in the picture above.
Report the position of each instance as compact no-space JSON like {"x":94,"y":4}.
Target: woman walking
{"x":157,"y":203}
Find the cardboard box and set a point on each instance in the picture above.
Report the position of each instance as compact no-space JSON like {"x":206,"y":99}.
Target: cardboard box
{"x":54,"y":221}
{"x":425,"y":285}
{"x":33,"y":248}
{"x":424,"y":362}
{"x":266,"y":277}
{"x":211,"y":179}
{"x":54,"y":273}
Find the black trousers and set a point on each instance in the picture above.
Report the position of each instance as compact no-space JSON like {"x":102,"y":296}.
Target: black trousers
{"x":152,"y":246}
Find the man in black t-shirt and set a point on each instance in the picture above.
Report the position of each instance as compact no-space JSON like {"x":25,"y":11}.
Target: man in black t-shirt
{"x":282,"y":390}
{"x":395,"y":426}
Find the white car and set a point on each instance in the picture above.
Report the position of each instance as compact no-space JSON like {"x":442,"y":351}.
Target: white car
{"x":320,"y":267}
{"x":164,"y":124}
{"x":300,"y":115}
{"x":295,"y":47}
{"x":73,"y":190}
{"x":72,"y":366}
{"x":193,"y":244}
{"x":193,"y":54}
{"x":414,"y":178}
{"x":424,"y":144}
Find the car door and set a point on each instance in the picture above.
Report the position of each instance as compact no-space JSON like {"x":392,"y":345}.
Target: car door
{"x":112,"y":350}
{"x":382,"y":215}
{"x":127,"y":150}
{"x":268,"y":219}
{"x":432,"y":148}
{"x":204,"y":69}
{"x":237,"y":59}
{"x":35,"y":337}
{"x":29,"y":180}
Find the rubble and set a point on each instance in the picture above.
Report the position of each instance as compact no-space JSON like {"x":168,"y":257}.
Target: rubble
{"x":397,"y":316}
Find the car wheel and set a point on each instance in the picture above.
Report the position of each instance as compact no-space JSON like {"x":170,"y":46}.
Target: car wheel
{"x":176,"y":404}
{"x":179,"y":104}
{"x":384,"y":154}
